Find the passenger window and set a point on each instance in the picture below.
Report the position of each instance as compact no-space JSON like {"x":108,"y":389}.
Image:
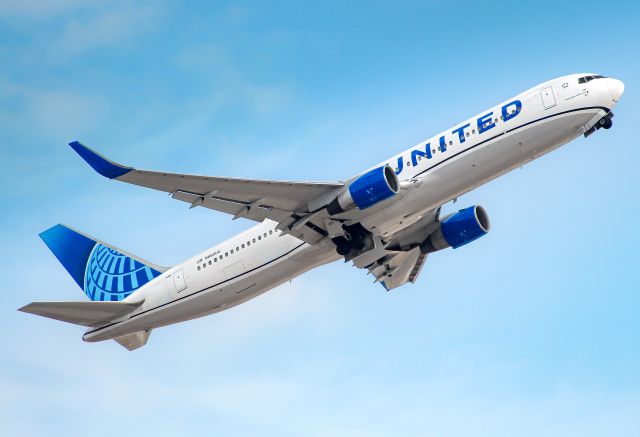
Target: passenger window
{"x":259,"y":237}
{"x":209,"y":262}
{"x":265,"y":235}
{"x":254,"y":240}
{"x":270,"y":232}
{"x":473,"y":131}
{"x":198,"y":267}
{"x":468,"y":134}
{"x":248,"y":243}
{"x":204,"y":265}
{"x":237,"y":248}
{"x":226,"y":254}
{"x":215,"y":260}
{"x":451,"y":142}
{"x":231,"y":251}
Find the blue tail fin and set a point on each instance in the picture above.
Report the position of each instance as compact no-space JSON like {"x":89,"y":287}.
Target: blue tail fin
{"x":104,"y":272}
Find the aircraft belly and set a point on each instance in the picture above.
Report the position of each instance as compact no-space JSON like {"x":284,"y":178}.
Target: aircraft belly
{"x":225,"y":296}
{"x":535,"y":141}
{"x":477,"y":166}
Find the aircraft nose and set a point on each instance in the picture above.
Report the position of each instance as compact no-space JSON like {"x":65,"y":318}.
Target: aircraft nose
{"x":616,"y":88}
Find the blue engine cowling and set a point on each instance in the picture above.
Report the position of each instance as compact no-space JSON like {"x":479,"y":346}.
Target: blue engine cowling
{"x":458,"y":229}
{"x":367,"y":190}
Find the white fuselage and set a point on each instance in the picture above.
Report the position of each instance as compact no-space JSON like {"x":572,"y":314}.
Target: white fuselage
{"x":488,"y":145}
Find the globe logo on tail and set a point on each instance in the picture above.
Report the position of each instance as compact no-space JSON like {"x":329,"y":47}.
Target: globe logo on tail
{"x":112,"y":276}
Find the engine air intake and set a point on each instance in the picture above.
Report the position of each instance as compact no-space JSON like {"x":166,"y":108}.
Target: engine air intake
{"x":458,"y":229}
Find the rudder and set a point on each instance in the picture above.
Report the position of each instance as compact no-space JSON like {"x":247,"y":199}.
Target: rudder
{"x":104,"y":272}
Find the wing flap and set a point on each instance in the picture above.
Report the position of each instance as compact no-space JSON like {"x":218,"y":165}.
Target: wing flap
{"x":81,"y":313}
{"x":398,"y":268}
{"x":254,"y":210}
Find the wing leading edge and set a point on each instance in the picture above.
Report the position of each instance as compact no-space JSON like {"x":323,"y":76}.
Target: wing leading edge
{"x":281,"y":201}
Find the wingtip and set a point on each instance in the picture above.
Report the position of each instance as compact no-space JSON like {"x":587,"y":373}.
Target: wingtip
{"x":99,"y":163}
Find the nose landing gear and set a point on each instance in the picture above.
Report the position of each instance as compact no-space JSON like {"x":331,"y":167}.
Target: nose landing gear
{"x":604,"y":123}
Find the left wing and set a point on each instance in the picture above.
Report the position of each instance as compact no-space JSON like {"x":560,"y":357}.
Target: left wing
{"x":300,"y":208}
{"x":282,"y":201}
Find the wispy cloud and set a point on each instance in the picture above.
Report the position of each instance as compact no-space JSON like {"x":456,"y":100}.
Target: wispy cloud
{"x":51,"y":111}
{"x":231,"y":82}
{"x":105,"y":28}
{"x":40,"y":8}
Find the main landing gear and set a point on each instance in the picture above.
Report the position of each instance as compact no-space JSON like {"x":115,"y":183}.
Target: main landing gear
{"x":354,"y":239}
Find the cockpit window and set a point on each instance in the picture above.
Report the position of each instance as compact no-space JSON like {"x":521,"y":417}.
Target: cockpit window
{"x":586,"y":79}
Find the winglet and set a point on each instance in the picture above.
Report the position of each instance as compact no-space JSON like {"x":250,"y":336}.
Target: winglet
{"x":99,"y":163}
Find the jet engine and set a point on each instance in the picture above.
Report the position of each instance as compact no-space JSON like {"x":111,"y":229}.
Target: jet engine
{"x":367,"y":190}
{"x":458,"y":229}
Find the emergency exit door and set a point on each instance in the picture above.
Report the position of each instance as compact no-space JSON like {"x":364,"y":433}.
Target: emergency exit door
{"x":548,"y":99}
{"x":178,"y":280}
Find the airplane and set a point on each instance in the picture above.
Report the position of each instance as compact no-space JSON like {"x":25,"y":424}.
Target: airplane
{"x":385,"y":220}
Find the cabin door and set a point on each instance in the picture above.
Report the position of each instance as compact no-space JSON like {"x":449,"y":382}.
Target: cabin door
{"x":548,"y":99}
{"x":178,"y":280}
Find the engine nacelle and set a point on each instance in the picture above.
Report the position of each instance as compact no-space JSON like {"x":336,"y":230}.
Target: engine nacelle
{"x":369,"y":189}
{"x":458,"y":229}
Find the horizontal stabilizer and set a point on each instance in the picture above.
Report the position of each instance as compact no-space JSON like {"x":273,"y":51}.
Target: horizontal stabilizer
{"x":135,"y":340}
{"x":82,"y":313}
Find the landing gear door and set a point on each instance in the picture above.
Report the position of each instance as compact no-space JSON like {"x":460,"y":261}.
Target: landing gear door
{"x":178,"y":280}
{"x":548,"y":99}
{"x":236,"y":273}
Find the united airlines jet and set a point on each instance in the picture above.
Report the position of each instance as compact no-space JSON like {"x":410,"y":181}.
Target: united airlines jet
{"x":385,"y":220}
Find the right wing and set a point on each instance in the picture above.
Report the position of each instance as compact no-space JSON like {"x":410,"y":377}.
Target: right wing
{"x":400,"y":259}
{"x":282,"y":201}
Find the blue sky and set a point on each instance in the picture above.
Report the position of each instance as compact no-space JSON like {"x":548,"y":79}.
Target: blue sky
{"x":532,"y":330}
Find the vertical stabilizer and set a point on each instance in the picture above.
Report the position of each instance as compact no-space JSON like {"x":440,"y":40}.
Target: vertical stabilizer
{"x":104,"y":272}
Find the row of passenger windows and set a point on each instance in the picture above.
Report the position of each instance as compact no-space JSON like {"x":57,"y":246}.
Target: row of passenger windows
{"x":467,"y":134}
{"x":586,"y":79}
{"x":236,"y":249}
